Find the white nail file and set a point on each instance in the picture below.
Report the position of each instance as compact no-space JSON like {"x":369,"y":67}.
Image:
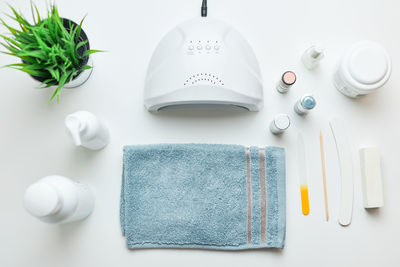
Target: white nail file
{"x":346,"y":171}
{"x":371,"y":177}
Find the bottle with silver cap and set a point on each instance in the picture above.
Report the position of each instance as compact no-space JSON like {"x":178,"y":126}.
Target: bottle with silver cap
{"x":57,"y":199}
{"x":280,"y":124}
{"x":305,"y":104}
{"x":287,"y":80}
{"x":312,"y":56}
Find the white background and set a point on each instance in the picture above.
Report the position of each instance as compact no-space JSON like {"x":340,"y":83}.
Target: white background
{"x":34,"y":143}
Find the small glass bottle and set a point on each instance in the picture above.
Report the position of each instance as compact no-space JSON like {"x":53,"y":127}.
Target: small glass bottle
{"x":312,"y":56}
{"x":280,"y":124}
{"x":305,"y":104}
{"x":286,"y":82}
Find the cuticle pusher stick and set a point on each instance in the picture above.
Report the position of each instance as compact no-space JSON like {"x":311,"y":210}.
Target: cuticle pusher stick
{"x":321,"y":141}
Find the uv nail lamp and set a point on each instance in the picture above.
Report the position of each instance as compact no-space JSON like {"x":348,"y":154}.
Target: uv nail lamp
{"x":203,"y":62}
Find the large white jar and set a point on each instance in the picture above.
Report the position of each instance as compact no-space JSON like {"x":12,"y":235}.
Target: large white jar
{"x":364,"y":68}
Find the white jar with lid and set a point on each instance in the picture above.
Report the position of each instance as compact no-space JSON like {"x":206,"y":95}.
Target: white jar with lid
{"x":364,"y":68}
{"x":57,"y":199}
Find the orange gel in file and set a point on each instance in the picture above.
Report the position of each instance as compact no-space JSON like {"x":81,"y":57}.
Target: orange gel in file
{"x":305,"y":205}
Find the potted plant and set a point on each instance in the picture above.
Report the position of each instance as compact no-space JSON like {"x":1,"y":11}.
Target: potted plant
{"x":55,"y":51}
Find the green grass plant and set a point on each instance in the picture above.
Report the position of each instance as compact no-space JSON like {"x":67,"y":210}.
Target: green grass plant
{"x":48,"y":51}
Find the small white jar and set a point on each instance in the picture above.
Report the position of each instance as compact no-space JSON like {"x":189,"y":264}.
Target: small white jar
{"x":57,"y":199}
{"x":364,"y":68}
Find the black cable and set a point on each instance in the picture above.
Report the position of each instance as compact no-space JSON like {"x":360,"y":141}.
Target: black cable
{"x":204,"y":9}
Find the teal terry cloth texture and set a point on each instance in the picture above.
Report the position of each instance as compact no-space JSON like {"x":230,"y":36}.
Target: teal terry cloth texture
{"x":203,"y":196}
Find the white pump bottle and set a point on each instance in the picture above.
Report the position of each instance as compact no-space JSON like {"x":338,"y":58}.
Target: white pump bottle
{"x":57,"y":199}
{"x":87,"y":130}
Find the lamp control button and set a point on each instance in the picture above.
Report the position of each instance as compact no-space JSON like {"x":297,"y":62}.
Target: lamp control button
{"x":216,"y":47}
{"x":199,"y":47}
{"x":208,"y":47}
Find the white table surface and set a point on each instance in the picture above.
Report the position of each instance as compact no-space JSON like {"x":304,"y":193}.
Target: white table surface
{"x":34,"y":143}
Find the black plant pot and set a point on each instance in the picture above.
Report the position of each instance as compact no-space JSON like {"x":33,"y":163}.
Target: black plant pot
{"x":69,"y":25}
{"x":82,"y":37}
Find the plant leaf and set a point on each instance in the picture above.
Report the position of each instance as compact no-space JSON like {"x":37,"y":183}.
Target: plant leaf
{"x":89,"y":52}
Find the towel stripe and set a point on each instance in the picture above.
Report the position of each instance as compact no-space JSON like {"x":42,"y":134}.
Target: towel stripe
{"x":263,"y":195}
{"x":255,"y":196}
{"x":248,"y":195}
{"x":275,"y":174}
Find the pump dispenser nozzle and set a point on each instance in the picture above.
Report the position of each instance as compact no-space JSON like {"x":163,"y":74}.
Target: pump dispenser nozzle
{"x":87,"y":130}
{"x":74,"y":126}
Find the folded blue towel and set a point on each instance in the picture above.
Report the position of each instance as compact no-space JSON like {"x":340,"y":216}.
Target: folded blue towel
{"x":224,"y":197}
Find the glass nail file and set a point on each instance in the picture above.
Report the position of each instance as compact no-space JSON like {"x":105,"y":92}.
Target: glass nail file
{"x":302,"y":161}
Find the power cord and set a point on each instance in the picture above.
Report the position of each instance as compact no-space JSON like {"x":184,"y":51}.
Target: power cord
{"x":204,"y":9}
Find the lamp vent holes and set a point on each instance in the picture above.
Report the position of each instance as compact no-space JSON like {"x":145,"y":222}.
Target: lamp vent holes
{"x":204,"y":78}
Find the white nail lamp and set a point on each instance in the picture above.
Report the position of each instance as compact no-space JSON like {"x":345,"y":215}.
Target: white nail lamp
{"x":203,"y":62}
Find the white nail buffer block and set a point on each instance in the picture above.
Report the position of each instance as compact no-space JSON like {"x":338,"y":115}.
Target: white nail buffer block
{"x":346,"y":172}
{"x":371,"y":177}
